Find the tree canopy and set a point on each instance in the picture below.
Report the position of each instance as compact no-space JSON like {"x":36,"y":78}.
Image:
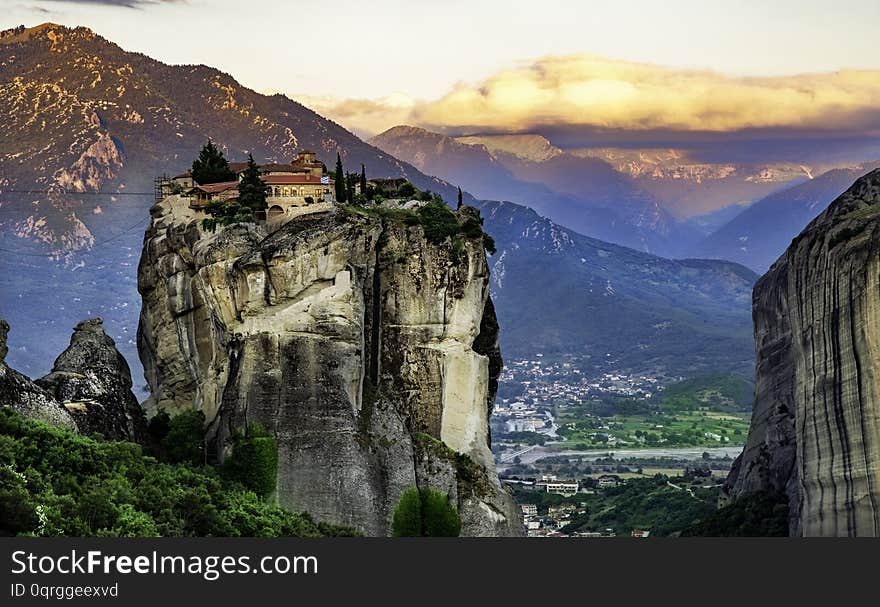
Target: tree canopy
{"x":54,"y":482}
{"x":252,"y":190}
{"x":224,"y":213}
{"x":211,"y":166}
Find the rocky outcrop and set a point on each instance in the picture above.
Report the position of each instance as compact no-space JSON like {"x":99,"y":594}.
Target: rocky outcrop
{"x":357,"y":342}
{"x":815,"y":433}
{"x":27,"y":398}
{"x":93,"y":382}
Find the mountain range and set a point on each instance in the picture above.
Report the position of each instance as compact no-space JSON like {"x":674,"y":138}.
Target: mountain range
{"x":585,"y":194}
{"x":683,"y":182}
{"x":560,"y":293}
{"x":759,"y":234}
{"x":90,"y":126}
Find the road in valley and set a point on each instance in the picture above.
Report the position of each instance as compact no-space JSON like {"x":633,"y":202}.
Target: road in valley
{"x":533,"y":453}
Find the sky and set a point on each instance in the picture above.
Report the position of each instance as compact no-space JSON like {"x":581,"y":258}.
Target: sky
{"x":494,"y":65}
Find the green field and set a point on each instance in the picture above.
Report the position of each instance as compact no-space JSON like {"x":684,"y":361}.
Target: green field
{"x":680,"y":429}
{"x":720,"y":392}
{"x":706,"y":411}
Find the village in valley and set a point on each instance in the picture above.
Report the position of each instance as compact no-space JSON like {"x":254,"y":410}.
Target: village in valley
{"x":576,"y":443}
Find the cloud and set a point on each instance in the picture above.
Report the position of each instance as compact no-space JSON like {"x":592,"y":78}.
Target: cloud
{"x":589,"y":92}
{"x":121,"y":3}
{"x":363,"y":116}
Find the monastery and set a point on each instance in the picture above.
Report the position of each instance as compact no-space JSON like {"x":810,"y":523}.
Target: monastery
{"x":293,"y":187}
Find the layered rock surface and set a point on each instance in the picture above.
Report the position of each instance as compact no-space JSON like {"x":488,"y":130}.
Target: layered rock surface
{"x":366,"y":350}
{"x":815,"y":432}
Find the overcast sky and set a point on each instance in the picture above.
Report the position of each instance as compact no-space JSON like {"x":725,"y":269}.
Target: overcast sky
{"x":439,"y":61}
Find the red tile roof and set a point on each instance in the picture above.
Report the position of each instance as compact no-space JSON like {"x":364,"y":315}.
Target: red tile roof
{"x":293,"y":180}
{"x":213,"y":188}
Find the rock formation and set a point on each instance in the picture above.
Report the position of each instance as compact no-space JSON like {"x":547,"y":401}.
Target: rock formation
{"x":88,"y":390}
{"x":92,"y":380}
{"x":27,"y":398}
{"x":815,"y":432}
{"x":366,"y":350}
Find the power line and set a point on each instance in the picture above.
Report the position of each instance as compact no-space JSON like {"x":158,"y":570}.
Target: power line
{"x":66,"y":193}
{"x":139,"y":225}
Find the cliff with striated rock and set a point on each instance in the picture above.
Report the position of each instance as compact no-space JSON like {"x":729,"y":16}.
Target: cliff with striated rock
{"x":815,"y":434}
{"x":367,"y":349}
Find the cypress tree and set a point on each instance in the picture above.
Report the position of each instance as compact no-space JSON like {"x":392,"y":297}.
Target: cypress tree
{"x":211,"y":166}
{"x":459,"y":198}
{"x":349,"y":186}
{"x":339,"y":178}
{"x":363,"y":180}
{"x":252,"y":190}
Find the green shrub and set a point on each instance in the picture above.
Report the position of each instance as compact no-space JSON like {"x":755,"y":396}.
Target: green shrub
{"x":18,"y":512}
{"x":407,"y":190}
{"x":225,"y":213}
{"x":185,"y":441}
{"x":761,"y":514}
{"x":425,"y":513}
{"x":55,"y":482}
{"x":407,"y":518}
{"x":489,"y":244}
{"x":471,"y":228}
{"x":439,"y":517}
{"x":159,"y":426}
{"x":438,"y":221}
{"x":254,"y":461}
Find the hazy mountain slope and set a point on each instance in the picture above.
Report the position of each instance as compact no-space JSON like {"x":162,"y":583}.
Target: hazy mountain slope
{"x":584,"y":194}
{"x":86,"y":128}
{"x":684,"y":182}
{"x":82,"y":115}
{"x":759,"y":235}
{"x":689,"y":185}
{"x":557,"y":291}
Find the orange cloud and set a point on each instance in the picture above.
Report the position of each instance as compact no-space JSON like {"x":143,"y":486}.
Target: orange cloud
{"x":585,"y":90}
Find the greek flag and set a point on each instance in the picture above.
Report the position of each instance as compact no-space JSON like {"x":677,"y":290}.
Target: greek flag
{"x":325,"y":180}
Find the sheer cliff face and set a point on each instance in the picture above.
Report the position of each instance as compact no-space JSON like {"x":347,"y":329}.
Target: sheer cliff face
{"x":816,"y":425}
{"x":353,"y":339}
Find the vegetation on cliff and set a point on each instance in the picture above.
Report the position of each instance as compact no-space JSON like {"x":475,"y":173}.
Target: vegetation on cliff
{"x":57,"y":483}
{"x":435,"y":217}
{"x":761,"y":514}
{"x":425,"y":513}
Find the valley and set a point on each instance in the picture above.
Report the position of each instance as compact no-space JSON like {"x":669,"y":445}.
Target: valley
{"x":577,"y":325}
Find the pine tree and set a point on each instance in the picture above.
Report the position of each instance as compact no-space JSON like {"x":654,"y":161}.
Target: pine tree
{"x":363,"y":180}
{"x":459,"y":198}
{"x":252,"y":190}
{"x":211,"y":166}
{"x":339,"y":177}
